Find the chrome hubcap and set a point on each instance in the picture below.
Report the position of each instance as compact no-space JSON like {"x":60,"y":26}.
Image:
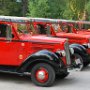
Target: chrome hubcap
{"x":41,"y":75}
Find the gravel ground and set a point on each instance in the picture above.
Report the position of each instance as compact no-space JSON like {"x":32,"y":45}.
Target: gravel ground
{"x":75,"y":81}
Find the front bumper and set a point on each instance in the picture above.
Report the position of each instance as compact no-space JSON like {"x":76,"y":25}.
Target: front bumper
{"x":75,"y":67}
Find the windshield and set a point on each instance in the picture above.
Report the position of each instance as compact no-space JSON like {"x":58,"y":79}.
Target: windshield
{"x":45,"y":29}
{"x":81,"y":26}
{"x":69,"y":28}
{"x":22,"y":29}
{"x":61,"y":28}
{"x":32,"y":29}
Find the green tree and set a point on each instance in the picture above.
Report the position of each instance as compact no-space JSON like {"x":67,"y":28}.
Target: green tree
{"x":38,"y":8}
{"x":77,"y":8}
{"x":46,"y":8}
{"x":87,"y":7}
{"x":24,"y":7}
{"x":10,"y":7}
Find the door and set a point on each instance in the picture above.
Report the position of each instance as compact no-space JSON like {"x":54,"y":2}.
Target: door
{"x":11,"y":51}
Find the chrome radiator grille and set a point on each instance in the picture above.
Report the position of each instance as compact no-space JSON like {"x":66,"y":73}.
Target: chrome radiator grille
{"x":66,"y":46}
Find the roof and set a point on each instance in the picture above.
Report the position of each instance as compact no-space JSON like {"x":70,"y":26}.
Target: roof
{"x":30,"y":19}
{"x":13,"y":19}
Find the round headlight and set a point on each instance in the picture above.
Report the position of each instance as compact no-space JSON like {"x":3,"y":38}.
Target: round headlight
{"x":62,"y":52}
{"x":72,"y":50}
{"x":88,"y":45}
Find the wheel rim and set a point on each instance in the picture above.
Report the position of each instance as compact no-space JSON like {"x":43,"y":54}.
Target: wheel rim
{"x":42,"y":75}
{"x":78,"y":61}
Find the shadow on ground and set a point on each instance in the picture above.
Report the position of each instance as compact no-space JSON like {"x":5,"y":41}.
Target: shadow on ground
{"x":14,"y":78}
{"x":86,"y":68}
{"x":70,"y":80}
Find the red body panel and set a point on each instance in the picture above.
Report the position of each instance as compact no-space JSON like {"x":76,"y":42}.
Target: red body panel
{"x":80,"y":38}
{"x":76,"y":36}
{"x":14,"y":52}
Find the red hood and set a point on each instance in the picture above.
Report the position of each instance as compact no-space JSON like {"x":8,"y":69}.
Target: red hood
{"x":73,"y":35}
{"x":86,"y":32}
{"x":42,"y":38}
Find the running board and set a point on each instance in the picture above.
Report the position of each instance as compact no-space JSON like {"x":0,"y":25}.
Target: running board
{"x":17,"y":73}
{"x":12,"y":70}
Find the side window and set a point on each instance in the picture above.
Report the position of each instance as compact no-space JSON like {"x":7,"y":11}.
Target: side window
{"x":5,"y":32}
{"x":41,"y":29}
{"x":3,"y":29}
{"x":22,"y":29}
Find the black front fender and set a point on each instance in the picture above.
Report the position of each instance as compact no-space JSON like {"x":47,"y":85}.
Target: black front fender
{"x":81,"y":50}
{"x":40,"y":56}
{"x":79,"y":47}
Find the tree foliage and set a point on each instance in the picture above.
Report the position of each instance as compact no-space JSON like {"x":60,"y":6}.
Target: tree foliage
{"x":67,"y":9}
{"x":77,"y":7}
{"x":10,"y":7}
{"x":87,"y":7}
{"x":46,"y":8}
{"x":39,"y":8}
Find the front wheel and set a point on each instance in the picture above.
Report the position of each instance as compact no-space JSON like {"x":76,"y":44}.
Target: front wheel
{"x":78,"y":60}
{"x":43,"y":74}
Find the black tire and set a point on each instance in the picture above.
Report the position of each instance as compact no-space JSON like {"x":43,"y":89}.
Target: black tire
{"x":81,"y":63}
{"x":51,"y":74}
{"x":86,"y":64}
{"x":62,"y":76}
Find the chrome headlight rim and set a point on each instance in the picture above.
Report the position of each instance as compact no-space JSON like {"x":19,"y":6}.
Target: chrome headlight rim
{"x":87,"y":45}
{"x":61,"y":52}
{"x":71,"y":50}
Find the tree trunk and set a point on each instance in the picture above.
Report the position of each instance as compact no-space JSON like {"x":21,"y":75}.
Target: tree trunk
{"x":24,"y":7}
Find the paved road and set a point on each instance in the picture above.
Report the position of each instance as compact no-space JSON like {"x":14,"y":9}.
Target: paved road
{"x":75,"y":81}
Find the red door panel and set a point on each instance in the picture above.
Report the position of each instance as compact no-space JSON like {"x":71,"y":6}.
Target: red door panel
{"x":12,"y":53}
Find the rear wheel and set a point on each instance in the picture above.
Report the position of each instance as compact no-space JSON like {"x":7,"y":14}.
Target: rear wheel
{"x":43,"y":74}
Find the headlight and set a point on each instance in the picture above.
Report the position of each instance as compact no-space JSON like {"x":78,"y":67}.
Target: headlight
{"x":88,"y":45}
{"x":61,"y":52}
{"x":72,"y":50}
